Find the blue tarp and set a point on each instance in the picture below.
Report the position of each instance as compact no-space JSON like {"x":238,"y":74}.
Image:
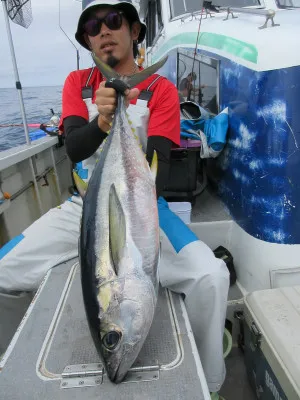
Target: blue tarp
{"x":215,"y":130}
{"x":39,"y":133}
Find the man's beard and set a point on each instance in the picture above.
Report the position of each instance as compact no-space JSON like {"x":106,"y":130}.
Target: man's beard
{"x":112,"y":61}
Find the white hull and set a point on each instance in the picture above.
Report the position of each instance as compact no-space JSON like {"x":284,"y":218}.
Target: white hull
{"x":259,"y":264}
{"x":17,"y":180}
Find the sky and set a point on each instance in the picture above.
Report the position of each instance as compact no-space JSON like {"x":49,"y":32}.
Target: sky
{"x":44,"y":54}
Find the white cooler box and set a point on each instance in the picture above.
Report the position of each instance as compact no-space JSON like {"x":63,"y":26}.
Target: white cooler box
{"x":272,"y":342}
{"x":182,"y":209}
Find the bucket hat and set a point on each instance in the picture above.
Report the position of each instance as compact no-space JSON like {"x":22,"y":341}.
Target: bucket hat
{"x":127,"y":7}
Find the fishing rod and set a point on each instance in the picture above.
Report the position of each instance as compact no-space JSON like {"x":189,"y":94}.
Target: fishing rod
{"x":54,"y":121}
{"x":16,"y":73}
{"x":195,"y":51}
{"x":64,"y":32}
{"x":16,"y":125}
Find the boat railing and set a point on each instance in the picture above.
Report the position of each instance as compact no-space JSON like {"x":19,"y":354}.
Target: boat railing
{"x":208,"y":9}
{"x":20,"y":153}
{"x":25,"y":152}
{"x":268,"y":14}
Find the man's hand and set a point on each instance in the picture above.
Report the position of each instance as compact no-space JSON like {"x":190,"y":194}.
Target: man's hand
{"x":106,"y":101}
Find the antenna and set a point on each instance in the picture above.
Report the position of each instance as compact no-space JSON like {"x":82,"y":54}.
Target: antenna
{"x":61,"y":28}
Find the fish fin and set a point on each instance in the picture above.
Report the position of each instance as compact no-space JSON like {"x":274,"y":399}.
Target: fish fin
{"x":80,"y":184}
{"x":117,"y":228}
{"x":141,"y":76}
{"x":132,"y":80}
{"x":105,"y":69}
{"x":154,"y":165}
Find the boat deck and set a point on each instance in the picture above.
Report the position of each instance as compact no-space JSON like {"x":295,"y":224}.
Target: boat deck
{"x":236,"y":385}
{"x":209,"y":208}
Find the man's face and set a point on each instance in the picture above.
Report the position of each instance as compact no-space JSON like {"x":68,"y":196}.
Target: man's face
{"x":113,"y":46}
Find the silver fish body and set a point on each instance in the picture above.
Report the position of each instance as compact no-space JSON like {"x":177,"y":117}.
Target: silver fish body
{"x":119,"y":249}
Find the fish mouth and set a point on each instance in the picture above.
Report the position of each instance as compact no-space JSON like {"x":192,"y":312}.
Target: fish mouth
{"x":117,"y":376}
{"x":114,"y":377}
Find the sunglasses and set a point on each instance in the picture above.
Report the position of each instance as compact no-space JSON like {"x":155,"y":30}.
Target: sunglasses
{"x":112,"y":20}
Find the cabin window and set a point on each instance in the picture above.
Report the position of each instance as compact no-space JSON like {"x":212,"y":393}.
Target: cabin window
{"x":177,"y":8}
{"x":159,"y":16}
{"x":288,"y":3}
{"x":181,"y":7}
{"x":236,"y":3}
{"x":153,"y":21}
{"x":197,"y":80}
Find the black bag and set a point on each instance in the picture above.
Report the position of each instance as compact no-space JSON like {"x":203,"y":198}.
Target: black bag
{"x":225,"y":255}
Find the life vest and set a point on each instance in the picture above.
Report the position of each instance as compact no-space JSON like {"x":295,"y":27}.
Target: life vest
{"x":138,"y":113}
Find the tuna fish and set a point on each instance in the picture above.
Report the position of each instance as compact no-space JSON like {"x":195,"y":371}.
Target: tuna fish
{"x":119,"y":240}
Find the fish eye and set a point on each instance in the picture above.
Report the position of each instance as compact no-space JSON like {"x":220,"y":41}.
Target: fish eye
{"x":111,"y":340}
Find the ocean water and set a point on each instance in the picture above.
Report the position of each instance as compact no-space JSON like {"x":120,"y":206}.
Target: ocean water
{"x":37,"y":101}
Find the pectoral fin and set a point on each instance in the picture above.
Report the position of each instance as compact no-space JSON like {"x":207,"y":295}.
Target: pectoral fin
{"x":117,"y":228}
{"x":154,"y":165}
{"x":80,"y":184}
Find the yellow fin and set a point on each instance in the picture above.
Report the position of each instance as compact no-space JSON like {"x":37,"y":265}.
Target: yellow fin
{"x":154,"y":165}
{"x":80,"y":184}
{"x":104,"y":297}
{"x":117,"y":228}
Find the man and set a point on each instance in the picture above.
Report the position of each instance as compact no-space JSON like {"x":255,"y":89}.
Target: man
{"x":112,"y":29}
{"x":187,"y":91}
{"x":186,"y":85}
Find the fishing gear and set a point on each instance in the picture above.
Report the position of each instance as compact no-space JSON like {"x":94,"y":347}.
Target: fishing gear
{"x":195,"y":53}
{"x":64,"y":32}
{"x":54,"y":122}
{"x":16,"y":125}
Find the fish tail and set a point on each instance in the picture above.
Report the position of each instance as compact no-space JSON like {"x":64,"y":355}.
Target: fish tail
{"x":141,"y":76}
{"x":132,"y":80}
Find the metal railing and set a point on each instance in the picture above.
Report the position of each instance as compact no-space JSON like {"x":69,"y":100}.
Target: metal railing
{"x":268,"y":14}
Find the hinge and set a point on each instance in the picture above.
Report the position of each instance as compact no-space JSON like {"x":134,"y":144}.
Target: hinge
{"x":82,"y":375}
{"x":239,"y":315}
{"x":256,"y":335}
{"x":142,"y":374}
